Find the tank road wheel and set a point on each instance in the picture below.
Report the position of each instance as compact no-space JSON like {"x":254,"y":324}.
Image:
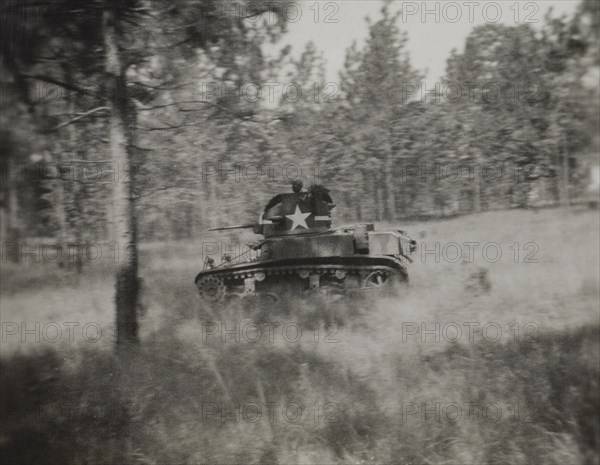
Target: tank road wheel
{"x":211,"y":288}
{"x":376,"y":280}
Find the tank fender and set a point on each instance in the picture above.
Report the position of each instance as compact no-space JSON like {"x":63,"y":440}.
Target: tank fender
{"x":384,"y":243}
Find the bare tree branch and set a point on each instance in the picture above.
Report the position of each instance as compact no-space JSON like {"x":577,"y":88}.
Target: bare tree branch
{"x":183,"y":102}
{"x":162,"y":87}
{"x":137,"y":147}
{"x":77,"y":118}
{"x":51,"y":80}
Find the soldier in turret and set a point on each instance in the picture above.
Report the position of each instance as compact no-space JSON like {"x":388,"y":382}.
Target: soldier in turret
{"x":301,"y":194}
{"x":297,"y":186}
{"x":318,"y":191}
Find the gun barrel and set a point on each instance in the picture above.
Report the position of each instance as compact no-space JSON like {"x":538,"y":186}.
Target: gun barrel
{"x":239,"y":226}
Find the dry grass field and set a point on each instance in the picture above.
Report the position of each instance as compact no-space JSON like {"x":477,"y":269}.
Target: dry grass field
{"x":490,"y":357}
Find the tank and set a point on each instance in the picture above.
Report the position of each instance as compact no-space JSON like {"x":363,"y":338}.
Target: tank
{"x":301,"y":254}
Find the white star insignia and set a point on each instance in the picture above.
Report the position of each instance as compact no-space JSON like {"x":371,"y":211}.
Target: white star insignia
{"x":298,"y":218}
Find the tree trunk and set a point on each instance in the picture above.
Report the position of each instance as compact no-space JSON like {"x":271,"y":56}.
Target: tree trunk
{"x":477,"y":190}
{"x":13,"y":228}
{"x":477,"y":173}
{"x":61,"y":218}
{"x":3,"y":224}
{"x":77,"y":190}
{"x":402,"y":198}
{"x":377,"y":196}
{"x":380,"y":186}
{"x":390,"y":197}
{"x":127,"y":281}
{"x":366,"y":197}
{"x":211,"y":199}
{"x":13,"y":207}
{"x":564,"y":179}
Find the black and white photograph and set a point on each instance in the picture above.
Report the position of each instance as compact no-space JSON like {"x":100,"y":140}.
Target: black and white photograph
{"x":299,"y":232}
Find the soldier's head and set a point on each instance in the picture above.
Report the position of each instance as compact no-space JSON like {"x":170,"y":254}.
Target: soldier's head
{"x":297,"y":186}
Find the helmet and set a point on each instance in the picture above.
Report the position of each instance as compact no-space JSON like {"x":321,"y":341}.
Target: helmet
{"x":297,"y":185}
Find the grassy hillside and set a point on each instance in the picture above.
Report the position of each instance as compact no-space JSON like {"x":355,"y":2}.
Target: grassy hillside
{"x":481,"y":361}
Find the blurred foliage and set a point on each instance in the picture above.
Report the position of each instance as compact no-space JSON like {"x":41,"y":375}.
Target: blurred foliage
{"x":153,"y":406}
{"x":208,"y":145}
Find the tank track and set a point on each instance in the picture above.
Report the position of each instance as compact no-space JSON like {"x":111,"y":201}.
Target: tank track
{"x":283,"y":270}
{"x":263,"y":279}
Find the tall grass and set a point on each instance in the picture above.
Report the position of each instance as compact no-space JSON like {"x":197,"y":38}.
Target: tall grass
{"x":370,"y":393}
{"x":152,"y":406}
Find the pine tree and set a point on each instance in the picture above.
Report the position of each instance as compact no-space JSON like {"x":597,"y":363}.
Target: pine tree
{"x":113,"y":45}
{"x":374,"y":80}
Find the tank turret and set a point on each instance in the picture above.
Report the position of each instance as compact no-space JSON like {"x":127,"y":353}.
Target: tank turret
{"x":296,"y":213}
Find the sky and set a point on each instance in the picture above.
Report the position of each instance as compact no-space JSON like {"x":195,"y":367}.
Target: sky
{"x":434,"y":28}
